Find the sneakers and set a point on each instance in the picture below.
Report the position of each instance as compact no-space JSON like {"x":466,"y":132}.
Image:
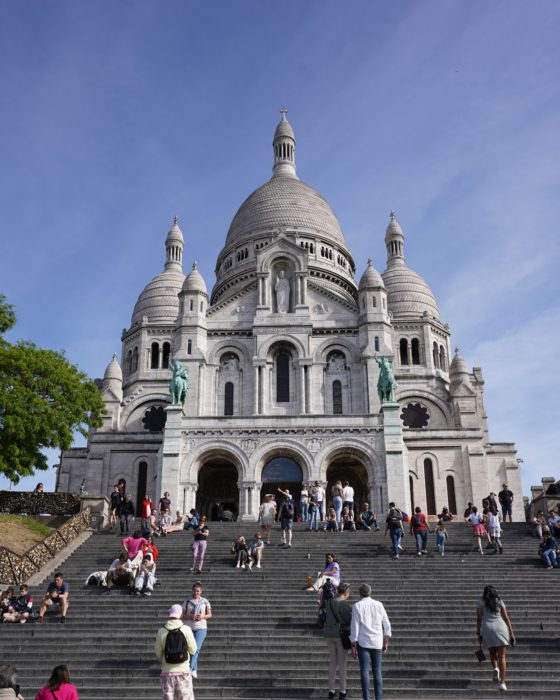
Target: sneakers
{"x":137,"y":592}
{"x":148,"y":593}
{"x":342,"y":696}
{"x":401,"y":548}
{"x":310,"y":589}
{"x":424,"y":551}
{"x":194,"y":674}
{"x":289,"y":544}
{"x":443,"y":554}
{"x":40,"y":621}
{"x":419,"y":554}
{"x":502,"y":686}
{"x":62,"y":619}
{"x":191,"y":570}
{"x":496,"y":674}
{"x":332,"y":694}
{"x":258,"y":566}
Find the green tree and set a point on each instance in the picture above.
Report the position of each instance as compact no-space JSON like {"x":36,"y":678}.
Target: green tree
{"x":43,"y":400}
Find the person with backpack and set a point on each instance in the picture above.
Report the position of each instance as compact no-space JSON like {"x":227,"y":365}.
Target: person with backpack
{"x":331,"y":572}
{"x":394,"y":526}
{"x":286,"y":516}
{"x":420,"y":529}
{"x":174,"y":643}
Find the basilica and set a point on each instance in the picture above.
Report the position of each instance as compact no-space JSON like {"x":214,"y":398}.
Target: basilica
{"x":282,"y":358}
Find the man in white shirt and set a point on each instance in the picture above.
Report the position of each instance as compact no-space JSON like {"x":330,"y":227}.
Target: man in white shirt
{"x":347,"y":496}
{"x":370,"y":631}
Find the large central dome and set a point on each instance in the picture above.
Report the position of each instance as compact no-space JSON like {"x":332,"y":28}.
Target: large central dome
{"x":284,"y":201}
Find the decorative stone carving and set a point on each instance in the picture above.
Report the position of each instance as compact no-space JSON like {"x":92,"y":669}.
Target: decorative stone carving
{"x":282,"y":288}
{"x":336,"y":362}
{"x":229,"y":362}
{"x":314,"y":445}
{"x":248,"y":446}
{"x":321,"y":308}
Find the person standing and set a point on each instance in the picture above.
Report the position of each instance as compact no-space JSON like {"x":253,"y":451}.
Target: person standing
{"x":175,"y":676}
{"x":196,"y":611}
{"x":419,"y":528}
{"x":506,"y":501}
{"x":336,"y":493}
{"x":199,"y":545}
{"x":370,"y":631}
{"x":320,"y":498}
{"x":146,"y":521}
{"x":493,"y":627}
{"x":313,"y":510}
{"x":116,"y":500}
{"x":338,"y":619}
{"x":58,"y":686}
{"x":494,"y":530}
{"x":267,"y":516}
{"x":441,"y":537}
{"x":286,"y":513}
{"x":347,"y":496}
{"x":126,"y":514}
{"x":479,"y":531}
{"x":304,"y":502}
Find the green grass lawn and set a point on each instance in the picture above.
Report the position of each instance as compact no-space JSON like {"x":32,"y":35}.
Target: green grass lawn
{"x":27,"y":522}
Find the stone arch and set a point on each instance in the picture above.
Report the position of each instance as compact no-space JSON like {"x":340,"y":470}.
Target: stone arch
{"x":287,"y":448}
{"x":353,"y":462}
{"x":227,"y":345}
{"x":273,"y":255}
{"x":221,"y":449}
{"x":134,"y":411}
{"x":264,"y":350}
{"x":350,"y":350}
{"x":439,"y":411}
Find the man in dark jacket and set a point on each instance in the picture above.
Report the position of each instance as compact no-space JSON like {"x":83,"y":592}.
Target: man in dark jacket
{"x":126,"y":514}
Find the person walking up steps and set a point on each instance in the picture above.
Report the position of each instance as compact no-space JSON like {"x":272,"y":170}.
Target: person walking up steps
{"x":199,"y":545}
{"x":420,"y":529}
{"x":174,"y":643}
{"x":370,"y":631}
{"x":196,"y":612}
{"x":338,"y":618}
{"x":286,"y":516}
{"x":493,"y":628}
{"x":441,"y":537}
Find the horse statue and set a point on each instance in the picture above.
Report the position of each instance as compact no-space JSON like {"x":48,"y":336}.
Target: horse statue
{"x":386,"y":383}
{"x":179,"y":384}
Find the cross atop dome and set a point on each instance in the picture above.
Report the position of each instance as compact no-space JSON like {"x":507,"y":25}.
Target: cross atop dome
{"x":283,"y":112}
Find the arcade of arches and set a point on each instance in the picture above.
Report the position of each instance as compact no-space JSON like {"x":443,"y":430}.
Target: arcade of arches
{"x":218,"y":489}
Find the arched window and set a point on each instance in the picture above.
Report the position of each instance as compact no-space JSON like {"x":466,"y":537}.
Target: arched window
{"x":141,"y":482}
{"x":374,"y":302}
{"x":135,"y":359}
{"x":376,"y":343}
{"x":415,"y":349}
{"x":403,"y":349}
{"x":412,"y":501}
{"x":191,"y":304}
{"x":228,"y":399}
{"x":337,"y":396}
{"x":442,"y":358}
{"x":155,"y":356}
{"x":363,"y":302}
{"x":128,"y":365}
{"x":436,"y":356}
{"x":430,"y":492}
{"x":451,"y":499}
{"x":166,"y":350}
{"x":201,"y":306}
{"x":189,"y":347}
{"x":282,"y":377}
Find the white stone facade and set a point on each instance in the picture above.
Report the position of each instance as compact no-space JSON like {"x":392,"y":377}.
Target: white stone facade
{"x":281,"y":363}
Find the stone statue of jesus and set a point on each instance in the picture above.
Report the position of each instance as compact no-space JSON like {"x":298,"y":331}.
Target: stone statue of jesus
{"x":282,"y":289}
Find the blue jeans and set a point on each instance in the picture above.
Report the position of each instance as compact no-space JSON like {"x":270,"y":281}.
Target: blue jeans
{"x":199,"y":637}
{"x":549,"y":557}
{"x":304,"y":510}
{"x":313,"y":514}
{"x":421,"y":540}
{"x":440,"y":541}
{"x":396,"y":536}
{"x":337,"y":505}
{"x":364,"y":656}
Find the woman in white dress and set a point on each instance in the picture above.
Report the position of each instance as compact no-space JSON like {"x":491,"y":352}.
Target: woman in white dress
{"x":267,"y":514}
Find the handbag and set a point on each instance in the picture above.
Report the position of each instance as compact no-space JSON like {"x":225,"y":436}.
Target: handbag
{"x":344,"y":632}
{"x":480,"y":655}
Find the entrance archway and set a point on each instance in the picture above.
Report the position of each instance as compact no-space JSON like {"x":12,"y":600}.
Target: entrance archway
{"x":284,"y":473}
{"x":347,"y":467}
{"x":217,"y":495}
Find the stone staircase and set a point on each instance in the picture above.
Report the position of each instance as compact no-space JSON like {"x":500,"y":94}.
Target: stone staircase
{"x":263,"y":641}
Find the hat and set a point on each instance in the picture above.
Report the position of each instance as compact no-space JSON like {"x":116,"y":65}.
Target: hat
{"x":176,"y":611}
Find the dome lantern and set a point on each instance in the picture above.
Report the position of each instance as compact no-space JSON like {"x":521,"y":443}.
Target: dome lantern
{"x":394,"y":241}
{"x":174,"y":247}
{"x":284,"y":144}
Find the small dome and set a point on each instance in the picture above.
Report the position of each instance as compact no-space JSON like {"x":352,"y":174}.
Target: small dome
{"x":175,"y":234}
{"x":194,"y":281}
{"x":113,"y":370}
{"x":284,"y":129}
{"x":159,"y":301}
{"x":371,"y":278}
{"x":408,"y":293}
{"x":393,"y":229}
{"x":458,"y":366}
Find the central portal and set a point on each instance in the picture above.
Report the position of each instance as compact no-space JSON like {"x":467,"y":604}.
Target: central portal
{"x":284,"y":473}
{"x":217,"y":496}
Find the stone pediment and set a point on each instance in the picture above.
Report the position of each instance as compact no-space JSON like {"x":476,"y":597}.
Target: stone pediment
{"x":281,"y":243}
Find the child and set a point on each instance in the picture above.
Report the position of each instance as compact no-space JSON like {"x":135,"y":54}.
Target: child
{"x":330,"y":523}
{"x":441,"y":537}
{"x":7,"y":601}
{"x":21,"y":607}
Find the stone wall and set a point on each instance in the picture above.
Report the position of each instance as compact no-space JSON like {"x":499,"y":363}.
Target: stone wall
{"x":36,"y":503}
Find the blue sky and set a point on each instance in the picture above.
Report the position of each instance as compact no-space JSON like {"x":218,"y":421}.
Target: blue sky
{"x":117,"y":116}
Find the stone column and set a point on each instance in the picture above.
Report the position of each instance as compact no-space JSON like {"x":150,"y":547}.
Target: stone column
{"x":169,"y":472}
{"x":246,"y":497}
{"x":301,"y":389}
{"x":398,"y":489}
{"x":256,"y":389}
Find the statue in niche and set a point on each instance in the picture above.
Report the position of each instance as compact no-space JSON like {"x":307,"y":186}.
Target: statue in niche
{"x":336,"y":362}
{"x":230,"y":363}
{"x":179,"y":384}
{"x":282,"y":289}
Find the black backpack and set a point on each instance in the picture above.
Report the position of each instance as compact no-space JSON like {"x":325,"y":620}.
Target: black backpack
{"x":176,"y":651}
{"x":328,"y":593}
{"x":288,"y":509}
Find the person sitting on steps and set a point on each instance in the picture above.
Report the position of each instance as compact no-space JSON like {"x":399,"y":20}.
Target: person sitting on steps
{"x":57,"y":595}
{"x":20,"y":608}
{"x":348,"y":519}
{"x":146,"y":578}
{"x":367,"y":518}
{"x":256,"y":549}
{"x":330,"y":572}
{"x":120,"y":573}
{"x":241,"y":551}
